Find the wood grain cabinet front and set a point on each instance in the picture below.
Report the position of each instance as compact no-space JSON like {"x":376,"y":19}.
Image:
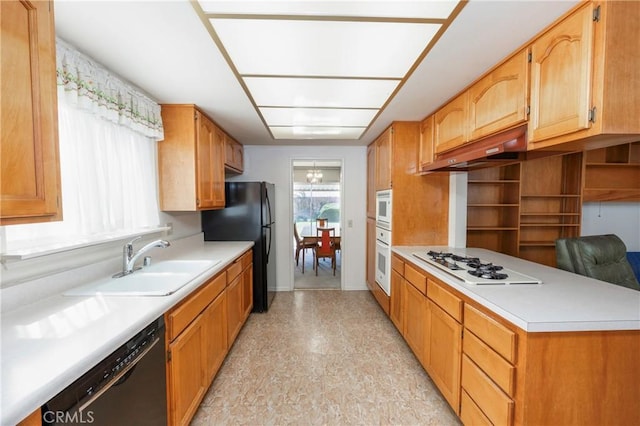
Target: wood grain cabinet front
{"x":233,"y":155}
{"x":30,"y":181}
{"x":582,"y":89}
{"x":190,"y":161}
{"x":498,"y":101}
{"x":451,"y":128}
{"x":200,"y":331}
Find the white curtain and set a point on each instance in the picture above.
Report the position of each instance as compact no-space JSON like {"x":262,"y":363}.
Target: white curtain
{"x":109,"y":181}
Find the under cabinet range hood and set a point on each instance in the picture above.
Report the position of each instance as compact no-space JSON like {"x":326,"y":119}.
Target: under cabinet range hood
{"x":504,"y":148}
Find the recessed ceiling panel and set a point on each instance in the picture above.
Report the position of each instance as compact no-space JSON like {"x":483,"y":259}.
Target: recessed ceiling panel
{"x":319,"y":92}
{"x":317,"y":117}
{"x":309,"y":132}
{"x":396,"y":9}
{"x":323,"y":48}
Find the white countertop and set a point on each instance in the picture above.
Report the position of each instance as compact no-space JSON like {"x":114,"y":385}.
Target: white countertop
{"x":48,"y":344}
{"x":563,"y":302}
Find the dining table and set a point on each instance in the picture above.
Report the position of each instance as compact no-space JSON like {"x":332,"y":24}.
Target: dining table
{"x":308,"y":231}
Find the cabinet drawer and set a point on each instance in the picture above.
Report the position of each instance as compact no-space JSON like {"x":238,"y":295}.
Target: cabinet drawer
{"x":494,"y":403}
{"x":446,"y":300}
{"x":500,"y":371}
{"x":246,"y":259}
{"x":233,"y":271}
{"x":494,"y":334}
{"x":179,"y":318}
{"x":416,"y":278}
{"x":470,"y":413}
{"x":397,"y":264}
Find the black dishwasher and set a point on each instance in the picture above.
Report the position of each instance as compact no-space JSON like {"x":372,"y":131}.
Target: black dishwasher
{"x":126,"y":388}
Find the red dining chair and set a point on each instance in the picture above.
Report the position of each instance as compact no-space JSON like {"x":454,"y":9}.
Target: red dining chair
{"x":325,"y":247}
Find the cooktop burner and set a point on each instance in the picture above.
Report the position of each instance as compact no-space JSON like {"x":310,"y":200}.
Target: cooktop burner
{"x":473,"y":271}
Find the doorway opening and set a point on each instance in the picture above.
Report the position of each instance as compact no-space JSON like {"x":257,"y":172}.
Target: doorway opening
{"x":317,"y":204}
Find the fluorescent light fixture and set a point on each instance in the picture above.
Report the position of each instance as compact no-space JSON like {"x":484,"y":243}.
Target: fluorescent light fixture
{"x":323,"y":133}
{"x":316,"y":92}
{"x":323,"y":48}
{"x":317,"y":117}
{"x":439,"y":9}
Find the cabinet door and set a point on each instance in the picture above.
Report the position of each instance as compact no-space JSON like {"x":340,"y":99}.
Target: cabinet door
{"x":247,"y":291}
{"x":371,"y":253}
{"x":371,"y":180}
{"x":383,"y":161}
{"x":238,"y":156}
{"x":450,"y":124}
{"x":214,"y":319}
{"x":426,"y":154}
{"x":561,"y":70}
{"x":205,"y":152}
{"x":187,"y":374}
{"x":415,"y":320}
{"x":234,"y":309}
{"x":30,"y":179}
{"x":397,"y":303}
{"x":499,"y":100}
{"x":445,"y":351}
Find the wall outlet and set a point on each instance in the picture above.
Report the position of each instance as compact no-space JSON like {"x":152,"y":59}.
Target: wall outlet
{"x":170,"y":226}
{"x":350,"y":223}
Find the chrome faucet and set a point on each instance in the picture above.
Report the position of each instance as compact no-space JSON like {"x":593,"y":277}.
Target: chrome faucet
{"x":129,"y":258}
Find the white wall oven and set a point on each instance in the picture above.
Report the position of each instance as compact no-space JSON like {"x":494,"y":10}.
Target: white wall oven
{"x":383,"y":259}
{"x":383,"y":209}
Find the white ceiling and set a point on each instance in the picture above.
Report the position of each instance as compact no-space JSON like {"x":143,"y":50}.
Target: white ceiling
{"x":163,"y":48}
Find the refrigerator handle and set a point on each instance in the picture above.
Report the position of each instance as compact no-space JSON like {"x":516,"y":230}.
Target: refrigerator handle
{"x":269,"y":247}
{"x":266,"y":192}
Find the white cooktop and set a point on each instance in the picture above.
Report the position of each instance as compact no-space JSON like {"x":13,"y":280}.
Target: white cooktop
{"x":461,"y":270}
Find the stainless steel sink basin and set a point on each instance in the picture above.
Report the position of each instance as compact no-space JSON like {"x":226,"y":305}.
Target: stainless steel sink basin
{"x":160,"y":279}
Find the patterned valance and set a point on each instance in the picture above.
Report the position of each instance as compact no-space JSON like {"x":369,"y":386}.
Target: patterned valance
{"x":88,"y":85}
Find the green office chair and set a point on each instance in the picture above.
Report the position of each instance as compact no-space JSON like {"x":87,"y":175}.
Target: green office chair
{"x":602,"y":257}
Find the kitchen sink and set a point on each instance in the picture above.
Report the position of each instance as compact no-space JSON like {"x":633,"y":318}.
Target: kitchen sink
{"x":159,"y":279}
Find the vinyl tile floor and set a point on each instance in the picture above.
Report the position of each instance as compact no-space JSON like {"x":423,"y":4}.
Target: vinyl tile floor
{"x":322,"y":357}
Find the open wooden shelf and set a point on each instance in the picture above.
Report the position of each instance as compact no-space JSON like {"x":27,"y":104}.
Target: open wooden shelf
{"x":522,"y":209}
{"x":612,"y":173}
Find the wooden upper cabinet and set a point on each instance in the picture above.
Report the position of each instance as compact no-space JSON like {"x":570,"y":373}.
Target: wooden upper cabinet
{"x":233,"y":155}
{"x":450,"y":124}
{"x":584,"y":85}
{"x":561,"y":70}
{"x":425,"y":151}
{"x":371,"y":180}
{"x":383,"y":160}
{"x":190,"y":161}
{"x":499,"y":100}
{"x":30,"y":180}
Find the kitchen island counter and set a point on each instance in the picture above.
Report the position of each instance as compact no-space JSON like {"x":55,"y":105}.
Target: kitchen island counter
{"x":563,"y":302}
{"x":49,"y":343}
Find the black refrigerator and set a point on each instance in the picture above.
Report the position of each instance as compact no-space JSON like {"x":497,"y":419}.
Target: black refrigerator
{"x":249,"y":215}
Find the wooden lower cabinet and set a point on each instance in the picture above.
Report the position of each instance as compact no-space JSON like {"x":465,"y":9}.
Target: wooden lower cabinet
{"x":200,"y":331}
{"x":444,"y":340}
{"x":492,"y":372}
{"x":186,"y":378}
{"x":215,"y":330}
{"x":415,"y":320}
{"x":396,"y":302}
{"x":234,"y":309}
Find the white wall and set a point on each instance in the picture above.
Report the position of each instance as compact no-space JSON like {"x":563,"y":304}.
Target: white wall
{"x":622,"y":219}
{"x":273,"y":164}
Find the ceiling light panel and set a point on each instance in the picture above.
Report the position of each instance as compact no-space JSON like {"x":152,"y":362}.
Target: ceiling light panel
{"x":318,"y":133}
{"x":317,"y":117}
{"x":319,"y":92}
{"x":396,"y":9}
{"x":323,"y":48}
